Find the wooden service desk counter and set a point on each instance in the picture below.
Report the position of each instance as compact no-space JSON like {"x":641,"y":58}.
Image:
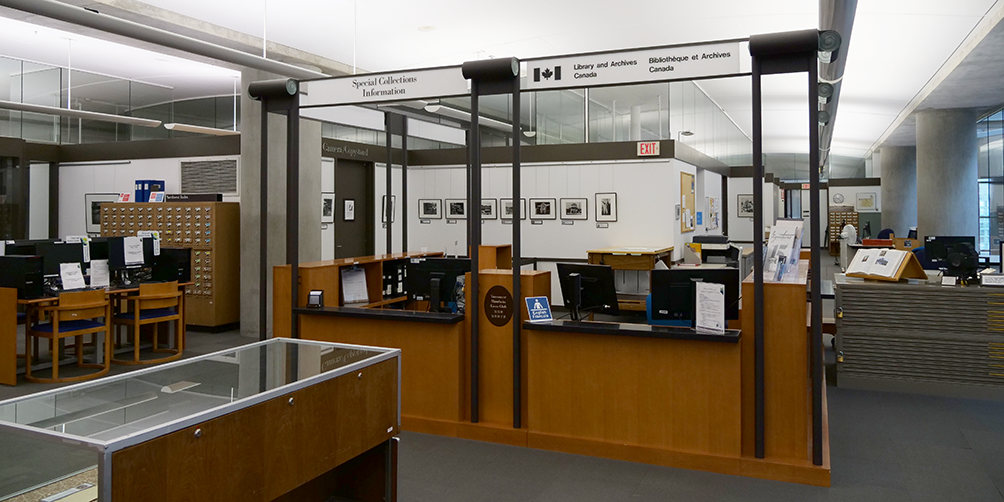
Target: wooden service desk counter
{"x":654,"y":394}
{"x":632,"y":260}
{"x":787,"y":393}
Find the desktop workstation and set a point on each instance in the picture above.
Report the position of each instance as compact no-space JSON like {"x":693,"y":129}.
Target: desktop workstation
{"x":89,"y":287}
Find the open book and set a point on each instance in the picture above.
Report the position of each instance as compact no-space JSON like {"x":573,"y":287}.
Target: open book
{"x":880,"y":262}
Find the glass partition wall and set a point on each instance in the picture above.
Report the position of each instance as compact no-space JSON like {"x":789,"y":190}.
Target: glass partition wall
{"x":990,"y":140}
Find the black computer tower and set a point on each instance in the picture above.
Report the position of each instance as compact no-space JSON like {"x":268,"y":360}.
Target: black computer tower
{"x":23,"y":273}
{"x":173,"y":264}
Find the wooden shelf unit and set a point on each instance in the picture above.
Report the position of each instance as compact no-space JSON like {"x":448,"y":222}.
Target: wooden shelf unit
{"x":212,"y":230}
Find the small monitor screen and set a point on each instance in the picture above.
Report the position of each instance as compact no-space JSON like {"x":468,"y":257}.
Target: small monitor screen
{"x":596,"y":291}
{"x":673,"y":291}
{"x":53,"y":254}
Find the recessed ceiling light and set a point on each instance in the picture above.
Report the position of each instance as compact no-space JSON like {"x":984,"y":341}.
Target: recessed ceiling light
{"x":427,"y":27}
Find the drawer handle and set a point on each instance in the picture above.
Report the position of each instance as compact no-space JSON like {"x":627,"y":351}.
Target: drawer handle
{"x":198,"y":433}
{"x":360,"y":376}
{"x":291,"y":401}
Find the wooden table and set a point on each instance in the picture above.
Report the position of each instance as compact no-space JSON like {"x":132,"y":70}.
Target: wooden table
{"x":641,"y":259}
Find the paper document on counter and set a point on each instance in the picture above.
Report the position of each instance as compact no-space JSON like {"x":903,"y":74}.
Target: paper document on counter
{"x":710,"y":308}
{"x":99,"y":274}
{"x":354,"y":285}
{"x":72,"y":276}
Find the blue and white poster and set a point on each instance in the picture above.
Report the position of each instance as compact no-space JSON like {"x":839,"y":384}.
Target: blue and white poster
{"x":539,"y":309}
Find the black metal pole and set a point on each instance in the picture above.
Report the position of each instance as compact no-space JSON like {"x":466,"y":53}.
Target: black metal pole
{"x":816,"y":343}
{"x":387,"y":119}
{"x":468,"y":187}
{"x":517,"y":311}
{"x":263,"y":228}
{"x":293,"y":207}
{"x":474,"y":143}
{"x":404,"y":188}
{"x":758,"y":258}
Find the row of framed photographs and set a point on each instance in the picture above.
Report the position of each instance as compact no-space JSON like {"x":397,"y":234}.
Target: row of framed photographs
{"x":540,"y":209}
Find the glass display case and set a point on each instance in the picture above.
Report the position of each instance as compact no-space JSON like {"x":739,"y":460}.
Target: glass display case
{"x":62,"y":444}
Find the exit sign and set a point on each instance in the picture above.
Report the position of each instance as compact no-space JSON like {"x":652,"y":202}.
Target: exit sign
{"x":648,"y":148}
{"x":805,"y":186}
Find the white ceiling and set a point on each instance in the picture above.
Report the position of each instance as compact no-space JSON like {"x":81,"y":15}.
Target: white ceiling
{"x":896,"y":47}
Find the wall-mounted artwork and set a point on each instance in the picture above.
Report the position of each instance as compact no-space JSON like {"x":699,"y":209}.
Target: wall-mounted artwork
{"x":866,"y":202}
{"x":507,"y":209}
{"x":714,"y":213}
{"x":383,"y":210}
{"x":430,"y":209}
{"x":574,"y":209}
{"x":456,"y":209}
{"x":744,"y":203}
{"x":350,"y":210}
{"x":606,"y":206}
{"x":688,"y":204}
{"x":543,"y":209}
{"x":489,"y":209}
{"x":327,"y":207}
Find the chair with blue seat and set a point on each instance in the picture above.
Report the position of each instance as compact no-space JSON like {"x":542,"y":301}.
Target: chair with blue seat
{"x":922,"y":258}
{"x":155,"y":304}
{"x":76,"y":315}
{"x":885,"y":233}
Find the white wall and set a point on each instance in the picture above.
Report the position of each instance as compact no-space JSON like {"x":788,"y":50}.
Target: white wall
{"x":380,"y":189}
{"x":741,"y":229}
{"x":850,"y":195}
{"x":327,"y":229}
{"x":38,"y":201}
{"x":113,"y":177}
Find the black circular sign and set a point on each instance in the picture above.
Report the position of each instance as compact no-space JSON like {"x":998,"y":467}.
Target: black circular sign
{"x":498,"y":305}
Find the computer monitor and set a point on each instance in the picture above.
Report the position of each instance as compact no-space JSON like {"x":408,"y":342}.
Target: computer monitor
{"x":116,"y":254}
{"x":435,"y":280}
{"x":98,"y":248}
{"x":54,"y":254}
{"x":674,"y":293}
{"x":587,"y":288}
{"x":938,"y":247}
{"x":26,"y":247}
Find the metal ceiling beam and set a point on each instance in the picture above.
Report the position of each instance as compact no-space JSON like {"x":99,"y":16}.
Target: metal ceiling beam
{"x":836,"y":15}
{"x":78,"y":114}
{"x":94,"y":19}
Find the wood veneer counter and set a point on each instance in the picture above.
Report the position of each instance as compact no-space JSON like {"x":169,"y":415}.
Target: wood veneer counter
{"x":637,"y":330}
{"x":384,"y":314}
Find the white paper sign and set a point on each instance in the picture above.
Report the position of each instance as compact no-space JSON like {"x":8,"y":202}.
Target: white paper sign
{"x":72,"y":276}
{"x":151,"y":234}
{"x":3,"y":246}
{"x":710,"y":308}
{"x":99,"y":274}
{"x":354,"y":285}
{"x":948,"y":280}
{"x":133,"y":250}
{"x":648,"y":65}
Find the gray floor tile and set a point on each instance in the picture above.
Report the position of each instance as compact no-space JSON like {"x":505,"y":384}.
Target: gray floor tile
{"x":940,"y":457}
{"x":984,"y":440}
{"x":928,"y":483}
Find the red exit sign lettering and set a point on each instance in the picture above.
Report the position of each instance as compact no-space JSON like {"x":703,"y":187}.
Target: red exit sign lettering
{"x":805,"y":186}
{"x":648,"y":148}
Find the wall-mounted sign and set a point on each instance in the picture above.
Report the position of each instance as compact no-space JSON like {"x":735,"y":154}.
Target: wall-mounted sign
{"x":498,"y":305}
{"x":394,"y":86}
{"x":806,"y":186}
{"x":648,"y":148}
{"x":647,"y":65}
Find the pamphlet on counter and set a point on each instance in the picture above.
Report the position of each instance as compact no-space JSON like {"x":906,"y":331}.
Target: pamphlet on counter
{"x":783,"y":249}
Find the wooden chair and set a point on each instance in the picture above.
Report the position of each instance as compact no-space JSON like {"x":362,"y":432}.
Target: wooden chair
{"x":156,"y":303}
{"x":74,"y":316}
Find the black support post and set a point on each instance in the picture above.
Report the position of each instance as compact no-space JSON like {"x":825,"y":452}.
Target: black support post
{"x":758,"y":259}
{"x":263,"y":229}
{"x":388,"y":125}
{"x":474,"y":143}
{"x":815,"y":275}
{"x":517,"y":365}
{"x":404,"y":187}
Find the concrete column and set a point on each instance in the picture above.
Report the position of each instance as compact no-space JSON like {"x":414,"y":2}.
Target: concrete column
{"x":636,"y":123}
{"x":310,"y":198}
{"x":899,"y":188}
{"x":947,"y":189}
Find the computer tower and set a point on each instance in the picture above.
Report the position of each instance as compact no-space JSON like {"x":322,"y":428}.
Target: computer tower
{"x":23,"y":273}
{"x":173,"y":264}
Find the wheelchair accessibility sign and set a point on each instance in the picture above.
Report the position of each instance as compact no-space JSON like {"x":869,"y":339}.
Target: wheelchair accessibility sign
{"x":538,"y":308}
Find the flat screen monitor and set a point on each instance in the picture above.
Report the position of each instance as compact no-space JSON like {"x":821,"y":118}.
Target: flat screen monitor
{"x":419,"y":277}
{"x":116,"y":254}
{"x":99,"y":248}
{"x":587,"y":288}
{"x":53,"y":254}
{"x":673,"y":291}
{"x":26,"y":247}
{"x":937,"y":247}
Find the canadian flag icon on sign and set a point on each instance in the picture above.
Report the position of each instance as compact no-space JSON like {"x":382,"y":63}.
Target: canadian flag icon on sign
{"x":547,"y":73}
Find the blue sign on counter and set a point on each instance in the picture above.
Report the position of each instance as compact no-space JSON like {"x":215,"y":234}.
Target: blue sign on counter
{"x":538,"y":308}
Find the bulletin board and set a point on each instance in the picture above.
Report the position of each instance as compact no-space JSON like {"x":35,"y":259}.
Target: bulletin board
{"x":687,"y":203}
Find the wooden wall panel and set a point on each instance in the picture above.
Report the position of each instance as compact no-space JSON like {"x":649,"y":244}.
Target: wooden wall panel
{"x":8,"y":336}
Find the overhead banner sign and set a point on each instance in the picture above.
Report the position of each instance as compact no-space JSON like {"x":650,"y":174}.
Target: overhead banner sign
{"x":379,"y":87}
{"x":626,"y":67}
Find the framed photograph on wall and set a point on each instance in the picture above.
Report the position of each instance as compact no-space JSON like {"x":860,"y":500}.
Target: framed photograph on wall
{"x":606,"y":206}
{"x":574,"y":209}
{"x":327,"y":207}
{"x":383,"y":208}
{"x":489,"y":209}
{"x":507,"y":209}
{"x":456,"y":209}
{"x":865,"y":202}
{"x":92,"y":209}
{"x":350,"y":210}
{"x":543,"y":209}
{"x":430,"y":209}
{"x":745,"y":204}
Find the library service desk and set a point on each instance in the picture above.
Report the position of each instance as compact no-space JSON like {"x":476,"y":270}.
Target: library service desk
{"x":279,"y":420}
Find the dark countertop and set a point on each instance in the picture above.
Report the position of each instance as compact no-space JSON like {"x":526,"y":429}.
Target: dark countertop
{"x":642,"y":330}
{"x":384,"y":314}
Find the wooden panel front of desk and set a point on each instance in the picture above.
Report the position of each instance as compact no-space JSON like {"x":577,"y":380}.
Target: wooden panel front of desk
{"x":654,"y":400}
{"x":434,"y":388}
{"x":8,"y":336}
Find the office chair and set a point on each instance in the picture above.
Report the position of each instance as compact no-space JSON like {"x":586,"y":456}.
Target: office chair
{"x":922,"y":258}
{"x":886,"y":233}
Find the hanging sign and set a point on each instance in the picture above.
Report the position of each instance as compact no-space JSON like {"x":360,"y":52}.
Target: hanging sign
{"x":648,"y":148}
{"x":377,"y":87}
{"x":626,"y":67}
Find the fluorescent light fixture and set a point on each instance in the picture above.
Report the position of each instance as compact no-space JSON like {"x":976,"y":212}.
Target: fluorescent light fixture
{"x":446,"y":111}
{"x":78,"y":114}
{"x":200,"y":130}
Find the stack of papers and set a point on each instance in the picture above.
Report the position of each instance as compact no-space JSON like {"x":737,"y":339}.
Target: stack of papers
{"x":880,"y":262}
